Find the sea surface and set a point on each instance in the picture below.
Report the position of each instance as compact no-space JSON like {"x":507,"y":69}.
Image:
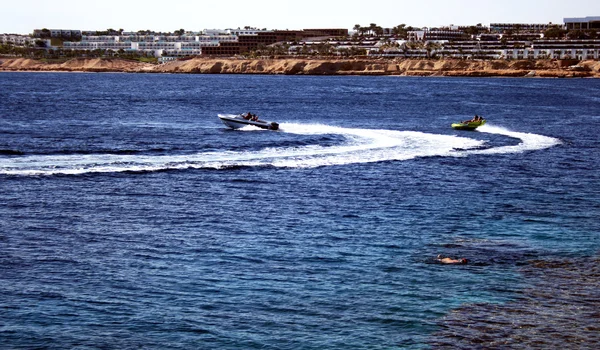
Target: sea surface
{"x":131,"y":217}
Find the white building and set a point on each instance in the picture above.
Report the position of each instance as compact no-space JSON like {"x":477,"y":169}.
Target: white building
{"x":582,"y":23}
{"x":189,"y":44}
{"x":18,"y":40}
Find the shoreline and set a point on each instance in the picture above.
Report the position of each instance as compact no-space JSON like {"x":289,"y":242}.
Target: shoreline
{"x":320,"y":66}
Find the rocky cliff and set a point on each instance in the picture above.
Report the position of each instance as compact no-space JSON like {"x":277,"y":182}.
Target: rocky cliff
{"x":290,"y":66}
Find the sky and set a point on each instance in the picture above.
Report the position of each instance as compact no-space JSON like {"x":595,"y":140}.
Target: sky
{"x":23,"y":16}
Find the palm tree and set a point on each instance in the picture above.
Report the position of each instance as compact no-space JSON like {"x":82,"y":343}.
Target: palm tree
{"x":372,"y":28}
{"x":305,"y":50}
{"x":401,"y":31}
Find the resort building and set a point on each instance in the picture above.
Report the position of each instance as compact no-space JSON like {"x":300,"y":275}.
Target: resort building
{"x":211,"y":42}
{"x":575,"y":49}
{"x":340,"y":33}
{"x":582,"y":23}
{"x":252,"y":41}
{"x":508,"y":49}
{"x":16,"y":39}
{"x":506,"y":41}
{"x":437,"y":35}
{"x":56,"y":33}
{"x":520,"y":27}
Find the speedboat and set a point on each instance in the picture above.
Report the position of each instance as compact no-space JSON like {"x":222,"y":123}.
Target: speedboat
{"x":241,"y":120}
{"x":469,"y":125}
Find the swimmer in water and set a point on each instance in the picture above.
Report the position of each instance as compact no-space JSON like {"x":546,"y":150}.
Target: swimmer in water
{"x":450,"y":260}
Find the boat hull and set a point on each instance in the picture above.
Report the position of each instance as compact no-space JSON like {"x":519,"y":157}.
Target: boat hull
{"x":468,"y":126}
{"x":238,"y":122}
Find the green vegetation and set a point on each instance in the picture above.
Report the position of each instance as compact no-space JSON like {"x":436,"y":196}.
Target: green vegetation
{"x":147,"y":59}
{"x":555,"y":32}
{"x":476,"y":30}
{"x":373,"y":30}
{"x":110,"y":31}
{"x":582,"y":34}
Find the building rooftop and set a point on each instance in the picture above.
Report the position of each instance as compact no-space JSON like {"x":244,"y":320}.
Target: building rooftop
{"x":582,"y":19}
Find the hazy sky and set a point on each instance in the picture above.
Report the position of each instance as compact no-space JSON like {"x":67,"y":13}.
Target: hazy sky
{"x":22,"y":16}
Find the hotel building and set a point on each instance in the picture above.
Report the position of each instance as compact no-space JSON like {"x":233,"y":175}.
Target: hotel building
{"x":582,"y":23}
{"x":210,"y":42}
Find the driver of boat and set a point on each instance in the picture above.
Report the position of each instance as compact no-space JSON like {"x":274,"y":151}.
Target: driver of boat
{"x":247,"y":116}
{"x":476,"y":118}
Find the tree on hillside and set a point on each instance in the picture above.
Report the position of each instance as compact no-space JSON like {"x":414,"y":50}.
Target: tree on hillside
{"x":46,"y":33}
{"x":554,"y":32}
{"x":576,"y":34}
{"x":324,"y":49}
{"x":400,"y":31}
{"x":388,"y":44}
{"x":431,"y":46}
{"x":372,"y":28}
{"x":360,"y":30}
{"x":582,"y":34}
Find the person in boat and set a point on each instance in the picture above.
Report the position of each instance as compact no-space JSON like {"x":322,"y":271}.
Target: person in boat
{"x":447,"y":260}
{"x":247,"y":116}
{"x":476,"y":119}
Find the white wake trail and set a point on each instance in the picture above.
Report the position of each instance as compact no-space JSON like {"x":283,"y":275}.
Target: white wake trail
{"x":359,"y":146}
{"x":529,"y":142}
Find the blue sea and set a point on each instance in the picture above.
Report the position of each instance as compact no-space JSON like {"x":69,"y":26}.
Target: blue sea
{"x":131,"y":217}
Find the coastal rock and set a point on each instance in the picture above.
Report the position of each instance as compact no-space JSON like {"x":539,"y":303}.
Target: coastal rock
{"x":316,"y":66}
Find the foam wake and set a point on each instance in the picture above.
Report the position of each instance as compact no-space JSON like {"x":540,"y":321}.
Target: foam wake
{"x":529,"y":142}
{"x":359,"y":146}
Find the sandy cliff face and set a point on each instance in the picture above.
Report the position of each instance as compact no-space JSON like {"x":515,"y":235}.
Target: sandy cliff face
{"x":449,"y":67}
{"x":409,"y":67}
{"x":75,"y":65}
{"x":278,"y":66}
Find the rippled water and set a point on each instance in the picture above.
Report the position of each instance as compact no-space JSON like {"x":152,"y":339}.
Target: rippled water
{"x":558,"y":310}
{"x":132,"y":217}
